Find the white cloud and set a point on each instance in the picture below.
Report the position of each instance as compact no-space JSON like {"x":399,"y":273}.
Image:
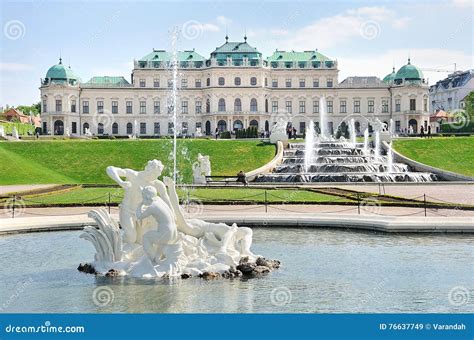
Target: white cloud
{"x":223,"y":21}
{"x":210,"y":28}
{"x":15,"y":67}
{"x":363,"y":22}
{"x":462,"y":3}
{"x":424,"y":58}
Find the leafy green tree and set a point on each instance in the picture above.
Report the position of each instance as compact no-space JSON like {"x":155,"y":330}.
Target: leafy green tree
{"x":34,"y":108}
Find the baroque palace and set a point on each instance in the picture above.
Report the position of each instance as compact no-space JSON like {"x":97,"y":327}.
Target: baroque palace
{"x":235,"y":88}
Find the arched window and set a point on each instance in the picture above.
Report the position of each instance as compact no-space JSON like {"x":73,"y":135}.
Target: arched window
{"x":208,"y":128}
{"x":253,"y":105}
{"x":208,"y":82}
{"x":237,"y":105}
{"x":254,"y":123}
{"x":115,"y":129}
{"x":208,"y":106}
{"x":221,"y":105}
{"x":59,"y":127}
{"x":129,"y":128}
{"x":237,"y":81}
{"x":266,"y":105}
{"x":221,"y":125}
{"x":267,"y":127}
{"x":253,"y":81}
{"x":100,"y":129}
{"x":221,"y":81}
{"x":238,"y":125}
{"x":85,"y":126}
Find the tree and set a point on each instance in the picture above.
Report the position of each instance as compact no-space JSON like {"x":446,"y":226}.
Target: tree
{"x":469,"y":104}
{"x":34,"y":108}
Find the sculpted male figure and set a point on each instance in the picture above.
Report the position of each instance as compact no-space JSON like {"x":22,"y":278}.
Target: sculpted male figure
{"x":133,"y":183}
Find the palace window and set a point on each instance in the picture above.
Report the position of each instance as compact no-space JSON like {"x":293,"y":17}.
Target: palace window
{"x":100,"y":106}
{"x":45,"y":105}
{"x":156,"y":107}
{"x":184,"y":128}
{"x":143,"y":128}
{"x":397,"y":105}
{"x":170,"y":83}
{"x":384,"y":106}
{"x":412,"y":104}
{"x":315,"y":82}
{"x":253,"y":105}
{"x":115,"y":129}
{"x":142,"y":83}
{"x":302,"y":106}
{"x":315,"y":106}
{"x":343,"y":106}
{"x":156,"y":128}
{"x":198,"y":105}
{"x":302,"y":127}
{"x":289,"y":106}
{"x":208,"y":106}
{"x":59,"y":105}
{"x":397,"y":126}
{"x":73,"y":105}
{"x":275,"y":106}
{"x":74,"y":127}
{"x":184,"y":83}
{"x":170,"y":128}
{"x":329,"y":83}
{"x":114,"y":106}
{"x":356,"y":106}
{"x":425,"y":104}
{"x":143,"y":107}
{"x":370,"y":105}
{"x":156,"y":83}
{"x":288,"y":82}
{"x":330,"y":108}
{"x":197,"y":83}
{"x":253,"y":81}
{"x":237,"y":81}
{"x":129,"y":108}
{"x":237,"y":105}
{"x":100,"y":129}
{"x":302,"y":83}
{"x":85,"y":106}
{"x":208,"y":82}
{"x":129,"y":128}
{"x":221,"y":105}
{"x":221,"y":81}
{"x":266,"y":82}
{"x":274,"y":82}
{"x":184,"y":106}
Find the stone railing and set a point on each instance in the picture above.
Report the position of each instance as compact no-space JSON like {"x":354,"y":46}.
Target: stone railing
{"x":269,"y":166}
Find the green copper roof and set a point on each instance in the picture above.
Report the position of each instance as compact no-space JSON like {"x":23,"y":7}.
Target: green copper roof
{"x":59,"y":72}
{"x":182,"y":56}
{"x":239,"y":47}
{"x":409,"y":72}
{"x":108,"y":81}
{"x":390,"y":77}
{"x":293,"y":56}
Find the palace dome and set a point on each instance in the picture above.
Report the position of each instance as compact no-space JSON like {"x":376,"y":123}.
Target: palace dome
{"x":59,"y":74}
{"x":389,"y":78}
{"x":409,"y":72}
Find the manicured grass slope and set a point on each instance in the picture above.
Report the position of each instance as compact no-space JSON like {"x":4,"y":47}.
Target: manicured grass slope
{"x":75,"y":161}
{"x":449,"y":153}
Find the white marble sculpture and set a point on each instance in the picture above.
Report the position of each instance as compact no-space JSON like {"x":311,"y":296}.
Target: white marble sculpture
{"x":201,"y":169}
{"x":157,"y":238}
{"x":278,"y":132}
{"x":87,"y":132}
{"x":67,"y":133}
{"x":15,"y":133}
{"x":2,"y":131}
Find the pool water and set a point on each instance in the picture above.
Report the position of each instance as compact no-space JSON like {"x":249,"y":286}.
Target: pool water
{"x":323,"y":271}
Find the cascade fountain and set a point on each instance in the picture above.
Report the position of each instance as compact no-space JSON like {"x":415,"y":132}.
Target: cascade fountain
{"x":325,"y":159}
{"x":322,"y":119}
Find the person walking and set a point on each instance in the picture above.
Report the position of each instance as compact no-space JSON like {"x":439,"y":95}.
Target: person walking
{"x":429,"y":132}
{"x":217,"y":133}
{"x":422,"y":132}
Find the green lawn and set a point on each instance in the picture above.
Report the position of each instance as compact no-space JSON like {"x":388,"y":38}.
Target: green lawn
{"x":449,"y":153}
{"x":81,"y":161}
{"x":101,"y":195}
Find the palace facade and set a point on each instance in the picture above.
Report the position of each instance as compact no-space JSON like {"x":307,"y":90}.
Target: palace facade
{"x":232,"y":89}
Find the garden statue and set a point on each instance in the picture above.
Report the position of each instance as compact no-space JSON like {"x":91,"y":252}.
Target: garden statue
{"x":278,"y":132}
{"x":201,"y":169}
{"x":15,"y":133}
{"x":159,"y":241}
{"x":2,"y":131}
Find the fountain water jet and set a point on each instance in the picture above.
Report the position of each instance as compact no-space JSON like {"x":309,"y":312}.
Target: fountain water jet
{"x":352,"y":131}
{"x":309,"y":145}
{"x":322,"y":119}
{"x":366,"y":141}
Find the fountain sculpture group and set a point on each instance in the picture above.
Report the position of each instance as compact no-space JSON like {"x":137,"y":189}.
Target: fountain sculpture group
{"x":157,"y":240}
{"x":323,"y":158}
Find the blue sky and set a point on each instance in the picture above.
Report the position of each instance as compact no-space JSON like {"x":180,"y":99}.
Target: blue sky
{"x":103,"y":37}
